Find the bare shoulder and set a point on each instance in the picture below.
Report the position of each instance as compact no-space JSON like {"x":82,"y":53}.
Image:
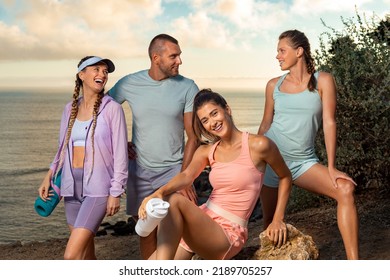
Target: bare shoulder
{"x":203,"y":150}
{"x":259,"y":143}
{"x":270,"y":87}
{"x":273,"y":81}
{"x":325,"y":77}
{"x":326,"y":86}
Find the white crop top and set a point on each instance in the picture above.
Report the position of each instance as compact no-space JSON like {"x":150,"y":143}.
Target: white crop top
{"x":79,"y":132}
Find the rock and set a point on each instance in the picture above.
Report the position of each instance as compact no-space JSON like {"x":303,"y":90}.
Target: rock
{"x":298,"y":247}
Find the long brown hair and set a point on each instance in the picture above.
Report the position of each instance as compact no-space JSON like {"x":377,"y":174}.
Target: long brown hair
{"x":73,"y":115}
{"x":298,"y":39}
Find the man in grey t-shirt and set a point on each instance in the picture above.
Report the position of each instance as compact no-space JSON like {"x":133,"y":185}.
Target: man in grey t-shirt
{"x":161,"y":102}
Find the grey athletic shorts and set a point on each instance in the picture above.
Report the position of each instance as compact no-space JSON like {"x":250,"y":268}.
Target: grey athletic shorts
{"x":143,"y":182}
{"x":297,"y":168}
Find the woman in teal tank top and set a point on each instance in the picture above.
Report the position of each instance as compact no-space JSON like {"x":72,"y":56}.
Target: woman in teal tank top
{"x":296,"y":104}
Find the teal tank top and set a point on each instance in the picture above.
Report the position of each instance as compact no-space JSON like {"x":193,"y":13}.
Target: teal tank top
{"x":297,"y":117}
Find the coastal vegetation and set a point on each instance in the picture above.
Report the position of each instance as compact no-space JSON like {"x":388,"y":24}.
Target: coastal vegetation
{"x":359,"y":58}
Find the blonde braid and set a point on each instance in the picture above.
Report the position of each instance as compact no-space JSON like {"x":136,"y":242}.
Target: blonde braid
{"x":94,"y":122}
{"x":76,"y":93}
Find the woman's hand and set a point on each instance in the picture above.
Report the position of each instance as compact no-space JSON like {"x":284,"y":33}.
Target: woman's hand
{"x":43,"y":190}
{"x":142,"y":208}
{"x":190,"y":193}
{"x":337,"y":174}
{"x":277,"y":233}
{"x":113,"y":205}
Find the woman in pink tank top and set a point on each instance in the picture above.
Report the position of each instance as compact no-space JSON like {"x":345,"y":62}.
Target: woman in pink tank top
{"x":218,"y":228}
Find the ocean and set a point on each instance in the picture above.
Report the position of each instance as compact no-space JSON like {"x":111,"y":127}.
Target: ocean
{"x":29,"y":125}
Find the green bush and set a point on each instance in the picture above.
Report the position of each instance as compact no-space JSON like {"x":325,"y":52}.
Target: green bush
{"x":359,"y":58}
{"x":301,"y":199}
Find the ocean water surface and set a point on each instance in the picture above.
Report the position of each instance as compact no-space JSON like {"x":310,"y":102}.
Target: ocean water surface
{"x":29,"y":124}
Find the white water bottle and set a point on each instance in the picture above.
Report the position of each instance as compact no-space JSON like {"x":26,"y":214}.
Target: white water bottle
{"x":156,"y":210}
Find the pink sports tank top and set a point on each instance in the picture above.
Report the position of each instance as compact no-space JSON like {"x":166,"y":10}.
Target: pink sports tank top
{"x":236,"y":184}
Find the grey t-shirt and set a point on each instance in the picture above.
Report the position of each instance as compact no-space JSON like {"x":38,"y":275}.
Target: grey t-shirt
{"x":157,"y":109}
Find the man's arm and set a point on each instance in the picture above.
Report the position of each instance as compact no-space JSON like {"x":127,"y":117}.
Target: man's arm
{"x":190,"y":147}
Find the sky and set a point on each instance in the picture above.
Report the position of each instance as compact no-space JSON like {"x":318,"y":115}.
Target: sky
{"x":225,"y":43}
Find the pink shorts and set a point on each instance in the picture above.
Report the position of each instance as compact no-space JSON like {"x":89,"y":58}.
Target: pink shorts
{"x":235,"y":233}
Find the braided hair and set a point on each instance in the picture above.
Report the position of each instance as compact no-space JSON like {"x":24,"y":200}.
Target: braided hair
{"x":96,"y":107}
{"x":298,"y":39}
{"x":72,"y":118}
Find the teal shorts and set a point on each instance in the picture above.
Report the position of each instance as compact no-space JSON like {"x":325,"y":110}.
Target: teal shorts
{"x":297,"y":168}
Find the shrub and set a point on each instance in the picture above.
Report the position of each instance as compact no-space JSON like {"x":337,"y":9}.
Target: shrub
{"x":359,"y":58}
{"x":301,"y":199}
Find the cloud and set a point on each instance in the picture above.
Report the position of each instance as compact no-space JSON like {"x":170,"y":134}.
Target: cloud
{"x":50,"y":29}
{"x":14,"y":41}
{"x":69,"y":29}
{"x":316,"y":7}
{"x":252,"y":15}
{"x":228,"y":24}
{"x":202,"y":31}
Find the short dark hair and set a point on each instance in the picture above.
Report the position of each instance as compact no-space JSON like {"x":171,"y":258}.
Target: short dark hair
{"x":157,"y":43}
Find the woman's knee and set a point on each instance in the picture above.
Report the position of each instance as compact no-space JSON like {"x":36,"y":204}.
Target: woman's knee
{"x":175,"y":200}
{"x":346,"y":189}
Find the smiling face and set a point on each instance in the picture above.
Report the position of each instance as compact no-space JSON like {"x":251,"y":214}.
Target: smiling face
{"x":287,"y":55}
{"x":94,"y":77}
{"x":168,"y":61}
{"x":214,"y":119}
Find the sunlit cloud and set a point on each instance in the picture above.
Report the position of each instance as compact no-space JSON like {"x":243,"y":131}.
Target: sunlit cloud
{"x":219,"y":38}
{"x":228,"y":24}
{"x":200,"y":30}
{"x":317,"y":7}
{"x":48,"y":29}
{"x":53,"y":29}
{"x":252,"y":15}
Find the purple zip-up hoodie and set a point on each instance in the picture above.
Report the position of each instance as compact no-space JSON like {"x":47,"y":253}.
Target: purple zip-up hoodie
{"x":108,"y":175}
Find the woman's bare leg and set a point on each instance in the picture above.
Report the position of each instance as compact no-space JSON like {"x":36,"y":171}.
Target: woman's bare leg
{"x":200,"y":232}
{"x":79,"y":245}
{"x":90,"y":252}
{"x":317,"y":180}
{"x":148,"y":244}
{"x":183,"y":254}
